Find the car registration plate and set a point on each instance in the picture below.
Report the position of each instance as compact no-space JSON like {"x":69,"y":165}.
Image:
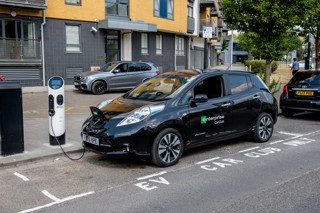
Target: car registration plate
{"x":76,"y":83}
{"x":304,"y":93}
{"x":90,"y":139}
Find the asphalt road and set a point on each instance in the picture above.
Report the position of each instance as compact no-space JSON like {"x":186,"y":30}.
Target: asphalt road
{"x":282,"y":175}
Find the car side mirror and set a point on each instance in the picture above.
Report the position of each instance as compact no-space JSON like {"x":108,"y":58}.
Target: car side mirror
{"x":116,"y":71}
{"x":200,"y":98}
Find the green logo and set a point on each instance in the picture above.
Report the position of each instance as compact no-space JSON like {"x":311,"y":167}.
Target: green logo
{"x":203,"y":119}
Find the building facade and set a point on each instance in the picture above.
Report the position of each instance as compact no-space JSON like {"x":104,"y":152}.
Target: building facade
{"x":43,"y":38}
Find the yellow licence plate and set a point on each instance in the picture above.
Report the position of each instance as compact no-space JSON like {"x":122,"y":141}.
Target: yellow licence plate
{"x":304,"y":93}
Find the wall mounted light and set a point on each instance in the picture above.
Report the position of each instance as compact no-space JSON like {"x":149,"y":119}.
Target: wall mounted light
{"x":13,"y":13}
{"x":93,"y":29}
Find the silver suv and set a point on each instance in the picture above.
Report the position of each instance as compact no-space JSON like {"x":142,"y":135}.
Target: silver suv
{"x":118,"y":75}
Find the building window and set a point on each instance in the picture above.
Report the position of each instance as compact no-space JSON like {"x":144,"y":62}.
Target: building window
{"x":180,"y":46}
{"x":117,"y":7}
{"x":73,"y":38}
{"x":159,"y":44}
{"x":163,"y":8}
{"x":190,"y":8}
{"x":73,"y":2}
{"x":144,"y":43}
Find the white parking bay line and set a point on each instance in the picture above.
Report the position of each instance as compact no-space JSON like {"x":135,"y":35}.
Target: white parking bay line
{"x":247,"y":150}
{"x":21,"y":176}
{"x":152,"y":175}
{"x":57,"y":200}
{"x":208,"y":160}
{"x":292,"y":134}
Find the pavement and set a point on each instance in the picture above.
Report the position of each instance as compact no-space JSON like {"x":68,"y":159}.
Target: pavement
{"x":36,"y":122}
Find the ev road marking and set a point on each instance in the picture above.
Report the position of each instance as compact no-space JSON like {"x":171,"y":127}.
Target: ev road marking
{"x":151,"y":181}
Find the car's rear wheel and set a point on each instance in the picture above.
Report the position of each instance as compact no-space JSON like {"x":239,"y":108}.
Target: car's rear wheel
{"x":98,"y":88}
{"x":264,"y":128}
{"x":167,"y":148}
{"x":287,"y":112}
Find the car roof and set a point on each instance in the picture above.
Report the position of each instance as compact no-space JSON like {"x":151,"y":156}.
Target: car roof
{"x":130,"y":62}
{"x":229,"y":71}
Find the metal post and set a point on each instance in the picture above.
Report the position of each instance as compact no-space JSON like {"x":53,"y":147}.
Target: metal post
{"x":205,"y":55}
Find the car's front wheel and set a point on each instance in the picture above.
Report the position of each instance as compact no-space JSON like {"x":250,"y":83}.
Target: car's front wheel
{"x":167,"y":148}
{"x":264,"y":128}
{"x":98,"y":88}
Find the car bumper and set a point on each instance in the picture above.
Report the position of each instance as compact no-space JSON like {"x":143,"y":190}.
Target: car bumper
{"x":301,"y":105}
{"x":121,"y":141}
{"x":81,"y":85}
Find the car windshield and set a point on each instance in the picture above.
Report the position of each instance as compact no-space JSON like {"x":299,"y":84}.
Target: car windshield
{"x":108,"y":67}
{"x":163,"y":86}
{"x":306,"y":78}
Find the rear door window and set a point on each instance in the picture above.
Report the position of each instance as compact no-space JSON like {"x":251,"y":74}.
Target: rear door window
{"x":238,"y":83}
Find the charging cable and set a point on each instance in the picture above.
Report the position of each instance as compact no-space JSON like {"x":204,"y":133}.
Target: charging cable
{"x":61,"y":146}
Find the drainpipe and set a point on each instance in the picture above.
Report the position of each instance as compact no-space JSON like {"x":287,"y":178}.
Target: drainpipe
{"x":42,"y":46}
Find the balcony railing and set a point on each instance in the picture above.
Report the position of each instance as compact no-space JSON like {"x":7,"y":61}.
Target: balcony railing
{"x":34,"y":4}
{"x":190,"y":24}
{"x":23,"y":50}
{"x":207,"y":2}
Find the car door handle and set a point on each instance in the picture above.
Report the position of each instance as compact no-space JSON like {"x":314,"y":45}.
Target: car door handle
{"x":225,"y":105}
{"x":255,"y":97}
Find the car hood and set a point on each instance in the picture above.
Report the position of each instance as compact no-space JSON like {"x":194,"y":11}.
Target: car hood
{"x":94,"y":73}
{"x":121,"y":107}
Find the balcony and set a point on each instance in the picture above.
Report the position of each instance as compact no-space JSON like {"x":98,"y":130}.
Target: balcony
{"x":190,"y":24}
{"x":207,"y":3}
{"x":19,"y":51}
{"x":31,"y":4}
{"x":215,"y":12}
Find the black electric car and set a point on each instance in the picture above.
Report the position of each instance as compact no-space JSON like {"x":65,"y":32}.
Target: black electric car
{"x":179,"y":110}
{"x":301,"y":93}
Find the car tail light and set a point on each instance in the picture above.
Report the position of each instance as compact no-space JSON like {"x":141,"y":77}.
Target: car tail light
{"x":158,"y":72}
{"x":285,"y":89}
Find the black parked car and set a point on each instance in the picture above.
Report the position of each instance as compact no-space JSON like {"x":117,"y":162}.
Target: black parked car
{"x":301,"y":93}
{"x":179,"y":110}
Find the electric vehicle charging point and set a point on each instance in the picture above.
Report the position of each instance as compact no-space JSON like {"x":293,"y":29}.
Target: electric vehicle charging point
{"x":57,"y":129}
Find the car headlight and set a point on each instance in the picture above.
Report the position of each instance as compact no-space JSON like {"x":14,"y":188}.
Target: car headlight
{"x":87,"y":78}
{"x":141,"y":114}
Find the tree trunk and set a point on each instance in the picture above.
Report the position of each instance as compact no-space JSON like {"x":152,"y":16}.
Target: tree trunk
{"x":268,"y":71}
{"x":316,"y":41}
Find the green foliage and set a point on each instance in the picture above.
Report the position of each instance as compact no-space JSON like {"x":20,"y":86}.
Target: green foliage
{"x":257,"y":66}
{"x":275,"y":86}
{"x":274,"y":66}
{"x":269,"y":20}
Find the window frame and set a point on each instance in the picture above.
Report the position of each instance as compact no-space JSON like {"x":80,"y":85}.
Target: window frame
{"x":144,"y":44}
{"x":117,"y":3}
{"x":70,"y":2}
{"x":79,"y":39}
{"x":159,"y":44}
{"x":180,"y":46}
{"x":159,"y":9}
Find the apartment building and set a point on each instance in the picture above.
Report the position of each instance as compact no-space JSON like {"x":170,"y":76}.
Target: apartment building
{"x":43,"y":38}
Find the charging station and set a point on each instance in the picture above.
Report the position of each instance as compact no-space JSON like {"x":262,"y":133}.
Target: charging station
{"x":56,"y":111}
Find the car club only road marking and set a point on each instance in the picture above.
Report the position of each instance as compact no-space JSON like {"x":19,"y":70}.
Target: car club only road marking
{"x":153,"y":181}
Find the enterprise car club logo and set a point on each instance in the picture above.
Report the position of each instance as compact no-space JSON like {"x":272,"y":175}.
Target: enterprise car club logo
{"x":217,"y":119}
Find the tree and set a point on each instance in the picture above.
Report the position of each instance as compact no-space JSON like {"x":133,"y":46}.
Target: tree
{"x":310,"y":23}
{"x":246,"y":42}
{"x":269,"y":20}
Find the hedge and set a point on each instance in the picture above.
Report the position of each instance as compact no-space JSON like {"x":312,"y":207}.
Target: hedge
{"x":258,"y":66}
